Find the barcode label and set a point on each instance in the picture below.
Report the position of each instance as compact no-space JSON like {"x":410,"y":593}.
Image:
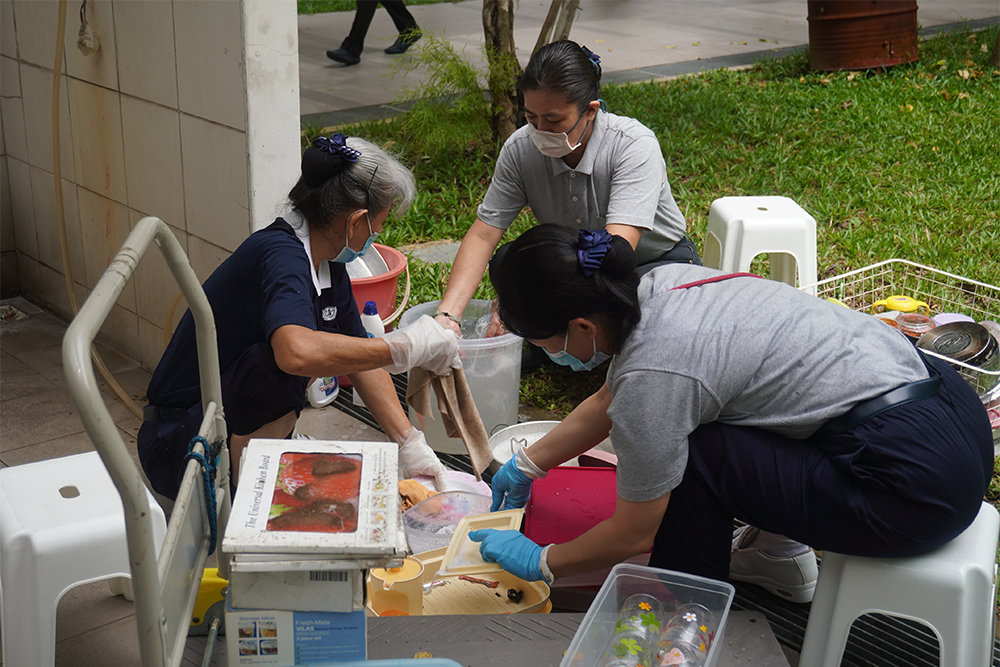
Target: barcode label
{"x":328,"y":576}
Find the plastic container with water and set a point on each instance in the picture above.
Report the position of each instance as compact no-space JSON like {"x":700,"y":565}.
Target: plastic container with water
{"x":492,"y":367}
{"x":430,"y":523}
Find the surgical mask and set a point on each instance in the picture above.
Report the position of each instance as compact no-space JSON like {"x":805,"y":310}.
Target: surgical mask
{"x":564,"y":358}
{"x":555,"y":144}
{"x":348,"y":254}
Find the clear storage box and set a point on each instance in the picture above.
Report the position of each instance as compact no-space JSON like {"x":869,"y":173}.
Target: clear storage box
{"x":671,"y":589}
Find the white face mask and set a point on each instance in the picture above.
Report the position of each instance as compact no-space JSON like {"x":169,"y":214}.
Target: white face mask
{"x":555,"y":144}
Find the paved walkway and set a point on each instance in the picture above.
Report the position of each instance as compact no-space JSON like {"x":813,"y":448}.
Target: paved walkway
{"x":636,"y":39}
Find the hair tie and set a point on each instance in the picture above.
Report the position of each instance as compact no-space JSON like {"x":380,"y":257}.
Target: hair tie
{"x":336,"y":143}
{"x":325,"y":158}
{"x":594,"y":245}
{"x":595,"y":59}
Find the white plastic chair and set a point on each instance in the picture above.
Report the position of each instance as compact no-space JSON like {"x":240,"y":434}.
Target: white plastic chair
{"x":740,"y":228}
{"x":61,"y":525}
{"x":951,"y":589}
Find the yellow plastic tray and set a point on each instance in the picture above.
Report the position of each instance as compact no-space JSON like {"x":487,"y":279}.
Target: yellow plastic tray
{"x":465,"y":597}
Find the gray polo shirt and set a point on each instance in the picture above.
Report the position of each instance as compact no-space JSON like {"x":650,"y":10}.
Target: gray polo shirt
{"x":743,"y":351}
{"x":621,"y":180}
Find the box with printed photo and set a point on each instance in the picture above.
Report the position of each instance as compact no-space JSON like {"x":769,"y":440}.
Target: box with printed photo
{"x":323,"y":499}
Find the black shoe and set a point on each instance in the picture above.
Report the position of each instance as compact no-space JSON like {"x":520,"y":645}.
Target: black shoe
{"x":342,"y":56}
{"x":403,"y":42}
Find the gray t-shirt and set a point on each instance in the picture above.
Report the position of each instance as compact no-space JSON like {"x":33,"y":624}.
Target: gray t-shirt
{"x":742,"y":351}
{"x":621,"y":180}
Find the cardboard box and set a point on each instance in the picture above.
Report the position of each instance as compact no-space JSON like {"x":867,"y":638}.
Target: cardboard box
{"x":293,"y":590}
{"x":320,"y":498}
{"x":289,"y":638}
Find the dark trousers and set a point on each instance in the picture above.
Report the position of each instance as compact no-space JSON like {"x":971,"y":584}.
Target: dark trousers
{"x":355,"y":42}
{"x":899,"y":484}
{"x":255,"y":392}
{"x":683,"y":252}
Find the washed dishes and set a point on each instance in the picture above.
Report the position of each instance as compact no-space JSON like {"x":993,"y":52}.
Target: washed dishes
{"x":969,"y":343}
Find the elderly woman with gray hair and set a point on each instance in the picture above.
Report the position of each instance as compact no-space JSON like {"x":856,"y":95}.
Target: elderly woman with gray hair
{"x":284,"y":313}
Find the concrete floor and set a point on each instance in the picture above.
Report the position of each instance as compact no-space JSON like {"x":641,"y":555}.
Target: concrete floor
{"x":38,"y":421}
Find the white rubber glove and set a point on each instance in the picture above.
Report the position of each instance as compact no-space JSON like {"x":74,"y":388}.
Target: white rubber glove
{"x":424,"y":343}
{"x":417,"y":458}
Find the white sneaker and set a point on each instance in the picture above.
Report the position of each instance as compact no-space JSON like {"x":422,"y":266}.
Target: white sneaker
{"x":791,"y":577}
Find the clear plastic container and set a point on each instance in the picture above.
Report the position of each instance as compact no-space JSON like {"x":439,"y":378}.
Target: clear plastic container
{"x":430,"y":523}
{"x":672,"y":589}
{"x":492,"y":367}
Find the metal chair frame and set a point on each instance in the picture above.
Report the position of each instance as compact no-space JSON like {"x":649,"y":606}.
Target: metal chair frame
{"x":165,"y":588}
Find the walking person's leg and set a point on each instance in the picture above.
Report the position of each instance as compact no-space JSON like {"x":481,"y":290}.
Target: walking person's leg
{"x":405,"y":24}
{"x":350,"y":50}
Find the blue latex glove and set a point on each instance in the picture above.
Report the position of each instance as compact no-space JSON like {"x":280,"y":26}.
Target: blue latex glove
{"x":511,"y":484}
{"x":515,"y":552}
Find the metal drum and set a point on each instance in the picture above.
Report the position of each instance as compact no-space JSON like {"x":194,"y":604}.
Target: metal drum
{"x":861,"y":34}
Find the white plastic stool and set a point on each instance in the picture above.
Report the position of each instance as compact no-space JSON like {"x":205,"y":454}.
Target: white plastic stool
{"x":740,"y":228}
{"x":61,"y":524}
{"x":952,"y":589}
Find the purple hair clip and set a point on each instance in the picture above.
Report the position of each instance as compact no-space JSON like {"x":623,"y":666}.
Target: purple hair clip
{"x":594,"y":58}
{"x":337,"y":143}
{"x":594,"y":245}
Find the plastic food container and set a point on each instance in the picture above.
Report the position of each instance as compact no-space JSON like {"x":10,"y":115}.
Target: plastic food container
{"x":492,"y":367}
{"x":430,"y":523}
{"x":671,"y":589}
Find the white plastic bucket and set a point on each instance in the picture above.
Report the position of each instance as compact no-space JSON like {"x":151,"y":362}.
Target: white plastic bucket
{"x":493,"y":369}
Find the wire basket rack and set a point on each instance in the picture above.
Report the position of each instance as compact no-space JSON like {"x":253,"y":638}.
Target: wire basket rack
{"x":943,"y":292}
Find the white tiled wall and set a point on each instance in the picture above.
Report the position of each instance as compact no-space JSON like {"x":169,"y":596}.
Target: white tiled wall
{"x":8,"y":42}
{"x":12,"y":109}
{"x":145,"y":42}
{"x":36,"y":88}
{"x":100,"y":67}
{"x":210,"y":32}
{"x":152,"y":141}
{"x":22,"y":209}
{"x":156,"y":122}
{"x":95,"y":113}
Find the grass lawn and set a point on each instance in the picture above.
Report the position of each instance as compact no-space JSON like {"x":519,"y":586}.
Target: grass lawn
{"x":899,"y":164}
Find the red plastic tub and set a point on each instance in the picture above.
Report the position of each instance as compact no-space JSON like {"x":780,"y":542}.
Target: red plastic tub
{"x":381,"y":289}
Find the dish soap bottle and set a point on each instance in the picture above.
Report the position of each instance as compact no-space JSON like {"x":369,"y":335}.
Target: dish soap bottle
{"x":322,"y":391}
{"x":373,"y":325}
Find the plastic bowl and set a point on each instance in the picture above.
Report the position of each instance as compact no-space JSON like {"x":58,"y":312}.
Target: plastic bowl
{"x":430,"y":523}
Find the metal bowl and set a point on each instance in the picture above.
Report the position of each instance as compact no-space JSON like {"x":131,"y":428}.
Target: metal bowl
{"x":970,"y":344}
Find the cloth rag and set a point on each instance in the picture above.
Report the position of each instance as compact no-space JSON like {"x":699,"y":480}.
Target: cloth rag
{"x":459,"y":415}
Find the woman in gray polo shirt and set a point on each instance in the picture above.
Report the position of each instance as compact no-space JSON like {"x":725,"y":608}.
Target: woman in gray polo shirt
{"x":575,"y":166}
{"x":734,"y":396}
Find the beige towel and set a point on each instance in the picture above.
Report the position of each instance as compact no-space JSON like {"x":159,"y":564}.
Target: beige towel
{"x":458,"y":411}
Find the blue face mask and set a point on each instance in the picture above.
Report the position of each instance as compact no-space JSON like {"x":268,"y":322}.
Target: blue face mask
{"x":564,"y":358}
{"x":348,"y":254}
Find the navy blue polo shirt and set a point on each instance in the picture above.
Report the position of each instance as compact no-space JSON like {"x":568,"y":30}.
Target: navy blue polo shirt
{"x":267,"y":283}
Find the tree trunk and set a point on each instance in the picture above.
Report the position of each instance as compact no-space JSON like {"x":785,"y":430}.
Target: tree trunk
{"x":544,"y":35}
{"x":565,"y":22}
{"x":995,"y":58}
{"x":558,"y":22}
{"x":498,"y":29}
